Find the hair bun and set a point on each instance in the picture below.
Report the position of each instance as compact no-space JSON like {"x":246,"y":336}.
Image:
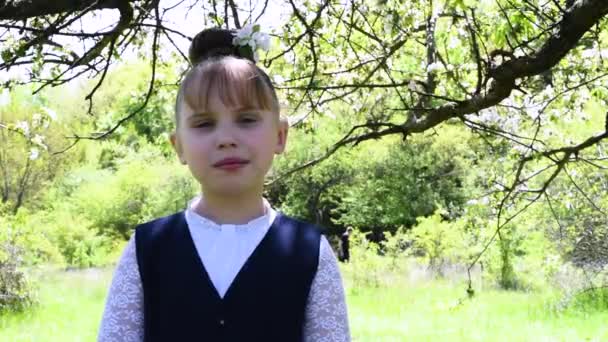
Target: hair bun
{"x":213,"y":42}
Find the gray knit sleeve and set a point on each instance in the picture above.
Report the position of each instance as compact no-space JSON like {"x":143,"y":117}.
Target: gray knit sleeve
{"x":326,"y":314}
{"x":123,"y":315}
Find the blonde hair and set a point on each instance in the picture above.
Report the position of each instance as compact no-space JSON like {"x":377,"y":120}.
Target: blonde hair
{"x":238,"y":82}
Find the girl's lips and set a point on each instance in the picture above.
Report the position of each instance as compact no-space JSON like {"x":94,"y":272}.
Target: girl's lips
{"x":231,"y":163}
{"x":229,"y":167}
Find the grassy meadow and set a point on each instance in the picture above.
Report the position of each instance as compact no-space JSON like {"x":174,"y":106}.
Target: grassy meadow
{"x":71,"y":304}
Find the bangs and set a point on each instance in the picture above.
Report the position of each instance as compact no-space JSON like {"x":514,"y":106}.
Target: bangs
{"x":237,"y":82}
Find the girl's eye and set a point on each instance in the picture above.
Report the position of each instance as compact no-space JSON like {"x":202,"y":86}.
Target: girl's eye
{"x":248,"y":119}
{"x":203,"y":124}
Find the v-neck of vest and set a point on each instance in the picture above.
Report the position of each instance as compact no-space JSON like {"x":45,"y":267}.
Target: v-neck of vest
{"x":244,"y":267}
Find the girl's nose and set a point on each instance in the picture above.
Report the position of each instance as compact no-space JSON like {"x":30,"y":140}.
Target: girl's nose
{"x":225,"y":137}
{"x":226,"y":144}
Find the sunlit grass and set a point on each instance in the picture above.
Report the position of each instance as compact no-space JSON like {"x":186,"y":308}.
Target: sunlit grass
{"x":439,"y":312}
{"x":69,"y":308}
{"x":71,"y":304}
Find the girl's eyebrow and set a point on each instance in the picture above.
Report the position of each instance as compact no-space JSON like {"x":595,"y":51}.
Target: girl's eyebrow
{"x":199,"y":115}
{"x":238,"y":110}
{"x":246,"y":109}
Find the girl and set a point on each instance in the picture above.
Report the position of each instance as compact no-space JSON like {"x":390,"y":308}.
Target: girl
{"x":229,"y":267}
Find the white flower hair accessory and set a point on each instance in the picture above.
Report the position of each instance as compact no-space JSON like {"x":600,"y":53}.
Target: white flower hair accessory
{"x":249,"y":38}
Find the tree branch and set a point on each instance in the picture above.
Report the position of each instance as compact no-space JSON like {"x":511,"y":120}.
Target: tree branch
{"x":20,"y":10}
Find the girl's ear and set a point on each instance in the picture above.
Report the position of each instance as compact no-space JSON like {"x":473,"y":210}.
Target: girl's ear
{"x":282,"y":136}
{"x":177,"y":146}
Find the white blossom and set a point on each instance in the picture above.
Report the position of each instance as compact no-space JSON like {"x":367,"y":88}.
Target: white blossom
{"x":468,"y":66}
{"x":532,"y":109}
{"x":34,"y":153}
{"x":521,"y":148}
{"x":433,"y":66}
{"x":39,"y":140}
{"x":296,"y":118}
{"x":453,"y":42}
{"x":278,"y":79}
{"x":245,"y":32}
{"x":512,"y":123}
{"x":51,"y":113}
{"x":262,"y":40}
{"x":489,"y":116}
{"x":252,"y":36}
{"x":547,"y":93}
{"x":5,"y":98}
{"x":411,"y":85}
{"x":388,"y":24}
{"x":240,"y":41}
{"x":24,"y":127}
{"x":589,"y":53}
{"x":329,"y":114}
{"x":290,"y":57}
{"x":36,"y":119}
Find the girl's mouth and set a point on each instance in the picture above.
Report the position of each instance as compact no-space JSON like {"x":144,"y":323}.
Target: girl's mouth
{"x":231,"y":163}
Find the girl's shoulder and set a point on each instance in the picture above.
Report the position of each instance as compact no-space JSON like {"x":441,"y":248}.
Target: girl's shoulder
{"x":306,"y":233}
{"x":298,"y":224}
{"x":158,"y":227}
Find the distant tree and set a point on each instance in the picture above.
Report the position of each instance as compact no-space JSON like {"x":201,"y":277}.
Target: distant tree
{"x":25,"y":165}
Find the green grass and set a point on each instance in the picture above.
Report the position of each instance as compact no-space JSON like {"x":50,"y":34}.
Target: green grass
{"x":432,"y":313}
{"x":71,"y":304}
{"x":70,"y":308}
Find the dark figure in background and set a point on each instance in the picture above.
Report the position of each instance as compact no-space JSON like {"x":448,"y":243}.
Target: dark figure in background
{"x":345,"y":244}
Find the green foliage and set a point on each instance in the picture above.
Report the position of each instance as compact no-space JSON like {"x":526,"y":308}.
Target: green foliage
{"x":78,"y":243}
{"x":314,"y":193}
{"x":58,"y":237}
{"x":90,"y":212}
{"x":32,"y":234}
{"x":76,"y":208}
{"x":408,"y":181}
{"x":154,"y":122}
{"x":507,"y":279}
{"x":368,"y":267}
{"x":437,"y":241}
{"x":374,"y":265}
{"x":594,"y":299}
{"x":144,"y":186}
{"x":376,"y":187}
{"x":395,"y":246}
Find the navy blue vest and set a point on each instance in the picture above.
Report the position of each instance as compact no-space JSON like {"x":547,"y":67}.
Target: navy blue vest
{"x":265,"y":302}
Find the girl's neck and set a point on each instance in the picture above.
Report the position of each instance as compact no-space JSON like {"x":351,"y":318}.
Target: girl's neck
{"x":231,"y":210}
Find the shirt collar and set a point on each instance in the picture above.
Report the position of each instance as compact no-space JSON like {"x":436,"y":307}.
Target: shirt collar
{"x":201,"y":221}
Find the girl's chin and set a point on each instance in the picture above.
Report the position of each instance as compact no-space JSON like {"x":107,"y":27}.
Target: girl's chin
{"x":232,"y":189}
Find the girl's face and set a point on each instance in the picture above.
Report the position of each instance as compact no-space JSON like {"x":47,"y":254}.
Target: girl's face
{"x":228,"y":150}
